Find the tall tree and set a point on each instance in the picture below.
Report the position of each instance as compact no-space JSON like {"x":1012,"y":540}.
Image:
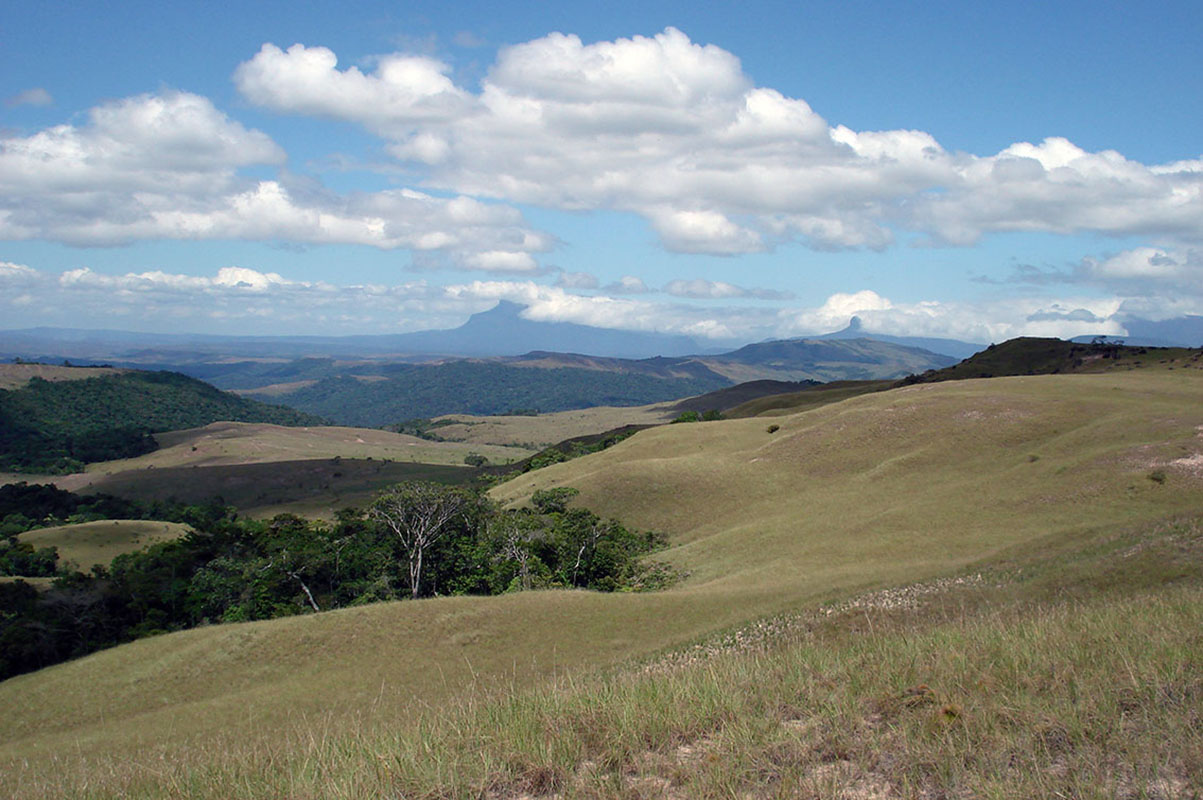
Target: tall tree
{"x":419,"y":513}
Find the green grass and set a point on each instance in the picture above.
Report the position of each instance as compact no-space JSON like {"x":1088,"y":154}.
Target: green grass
{"x":881,"y":490}
{"x":98,"y":543}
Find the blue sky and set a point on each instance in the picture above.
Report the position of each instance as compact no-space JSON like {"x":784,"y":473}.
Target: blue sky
{"x":972,"y":170}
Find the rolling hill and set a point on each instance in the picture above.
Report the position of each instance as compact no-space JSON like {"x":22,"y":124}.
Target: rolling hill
{"x":891,"y":488}
{"x":369,"y":394}
{"x":89,"y":544}
{"x":58,"y":425}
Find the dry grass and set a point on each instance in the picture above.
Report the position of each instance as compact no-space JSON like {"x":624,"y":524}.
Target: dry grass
{"x":548,"y":429}
{"x":14,"y":376}
{"x":229,"y":443}
{"x":874,"y":492}
{"x":90,"y":543}
{"x":309,"y":487}
{"x":1035,"y":681}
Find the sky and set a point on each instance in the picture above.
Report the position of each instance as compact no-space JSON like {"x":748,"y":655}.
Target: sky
{"x":966,"y":169}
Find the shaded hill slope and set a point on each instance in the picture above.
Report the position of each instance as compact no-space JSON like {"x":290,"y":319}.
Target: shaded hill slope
{"x":878,"y":490}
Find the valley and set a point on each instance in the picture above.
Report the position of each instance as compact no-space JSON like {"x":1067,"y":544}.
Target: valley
{"x":1035,"y":509}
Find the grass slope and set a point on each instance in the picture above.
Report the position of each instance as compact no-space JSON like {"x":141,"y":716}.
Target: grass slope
{"x":90,"y":543}
{"x":543,"y":430}
{"x":880,"y":490}
{"x":232,"y":443}
{"x":1029,"y":355}
{"x":308,"y":487}
{"x":918,"y":477}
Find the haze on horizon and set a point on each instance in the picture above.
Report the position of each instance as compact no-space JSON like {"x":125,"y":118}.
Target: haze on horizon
{"x":970,"y":172}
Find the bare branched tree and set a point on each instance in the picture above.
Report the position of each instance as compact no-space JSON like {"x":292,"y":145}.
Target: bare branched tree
{"x":419,"y":513}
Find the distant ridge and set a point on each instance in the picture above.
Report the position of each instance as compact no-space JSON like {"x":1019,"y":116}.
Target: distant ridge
{"x":500,"y":331}
{"x":946,"y":347}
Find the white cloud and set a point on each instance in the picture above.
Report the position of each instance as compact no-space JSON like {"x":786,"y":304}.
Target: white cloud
{"x":675,"y":131}
{"x":554,"y":304}
{"x":720,"y":290}
{"x":577,"y":280}
{"x":993,"y":320}
{"x":247,"y":300}
{"x":1149,"y":265}
{"x":31,"y":97}
{"x":401,"y":91}
{"x":166,"y":166}
{"x":627,"y":284}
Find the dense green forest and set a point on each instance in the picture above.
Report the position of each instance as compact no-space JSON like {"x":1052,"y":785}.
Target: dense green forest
{"x":58,"y":426}
{"x":466,"y":387}
{"x":229,"y":569}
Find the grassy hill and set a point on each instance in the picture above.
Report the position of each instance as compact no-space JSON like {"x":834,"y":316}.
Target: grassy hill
{"x":1029,"y":355}
{"x":97,"y":543}
{"x":235,"y":443}
{"x":58,"y":425}
{"x":309,"y":487}
{"x":1070,"y":494}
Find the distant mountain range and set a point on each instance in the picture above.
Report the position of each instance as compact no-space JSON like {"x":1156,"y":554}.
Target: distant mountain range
{"x":500,"y":331}
{"x":947,"y":347}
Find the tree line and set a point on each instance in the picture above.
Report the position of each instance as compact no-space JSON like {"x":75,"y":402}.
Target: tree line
{"x":414,"y":540}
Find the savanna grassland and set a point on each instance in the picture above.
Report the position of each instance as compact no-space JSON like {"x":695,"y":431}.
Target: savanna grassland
{"x":89,"y":544}
{"x":266,"y":469}
{"x":982,"y":588}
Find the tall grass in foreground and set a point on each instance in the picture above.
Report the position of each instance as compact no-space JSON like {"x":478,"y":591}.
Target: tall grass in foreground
{"x":1083,"y":679}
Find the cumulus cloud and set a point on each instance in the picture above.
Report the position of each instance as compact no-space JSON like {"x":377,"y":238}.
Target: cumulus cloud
{"x":167,"y":166}
{"x":675,"y":131}
{"x":401,"y":91}
{"x":1150,"y":266}
{"x":555,"y":304}
{"x":30,"y":97}
{"x":993,"y":320}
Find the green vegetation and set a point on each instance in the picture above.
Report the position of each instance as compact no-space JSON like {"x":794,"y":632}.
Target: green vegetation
{"x":58,"y":426}
{"x":417,"y":540}
{"x":468,"y":387}
{"x":568,"y":450}
{"x":421,"y":427}
{"x":710,"y":415}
